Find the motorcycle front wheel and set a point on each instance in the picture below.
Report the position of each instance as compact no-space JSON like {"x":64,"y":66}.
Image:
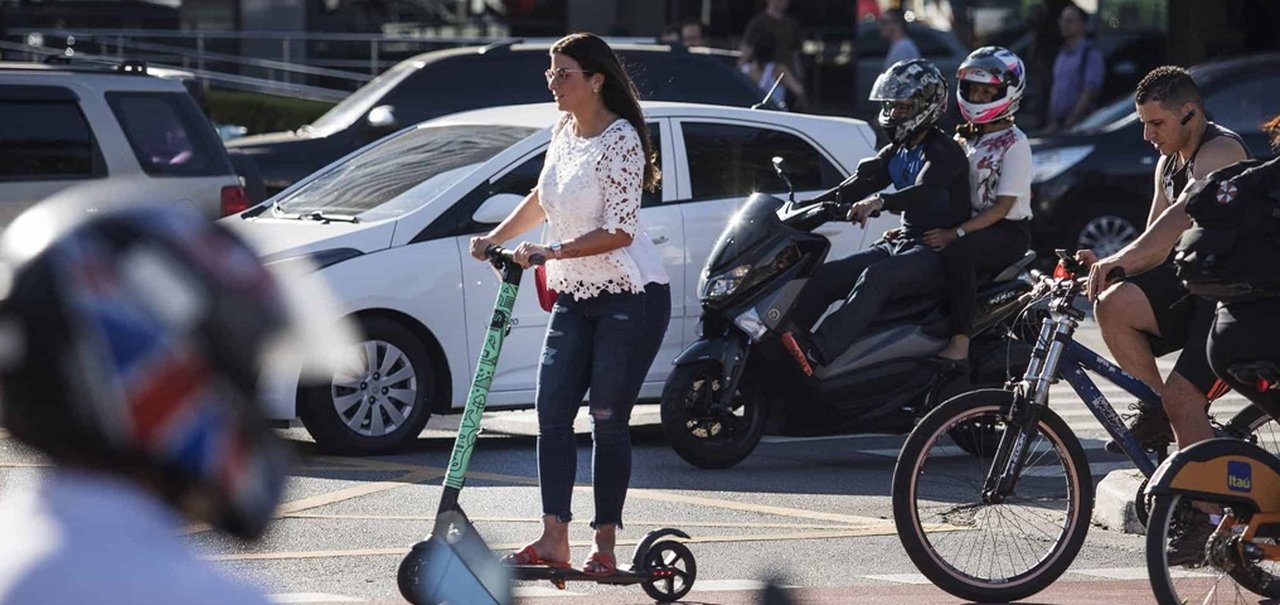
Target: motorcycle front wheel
{"x":706,"y":435}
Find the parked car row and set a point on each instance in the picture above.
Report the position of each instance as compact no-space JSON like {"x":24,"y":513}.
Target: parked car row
{"x":388,"y":228}
{"x":443,"y":82}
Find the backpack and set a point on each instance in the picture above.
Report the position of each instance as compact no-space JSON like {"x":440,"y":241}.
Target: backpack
{"x":1232,"y":250}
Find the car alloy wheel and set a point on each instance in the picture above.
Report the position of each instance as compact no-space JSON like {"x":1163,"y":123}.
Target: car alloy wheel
{"x":1106,"y":235}
{"x":377,"y":395}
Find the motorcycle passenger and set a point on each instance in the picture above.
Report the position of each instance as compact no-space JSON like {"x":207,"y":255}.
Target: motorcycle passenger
{"x":930,"y":173}
{"x":989,"y":89}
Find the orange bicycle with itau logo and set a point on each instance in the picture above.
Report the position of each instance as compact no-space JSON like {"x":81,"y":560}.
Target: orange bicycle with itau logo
{"x":1227,"y":491}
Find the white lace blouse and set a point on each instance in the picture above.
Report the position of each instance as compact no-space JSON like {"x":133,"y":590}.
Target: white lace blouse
{"x":595,"y":183}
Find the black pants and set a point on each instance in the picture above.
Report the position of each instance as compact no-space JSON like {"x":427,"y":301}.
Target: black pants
{"x":866,"y":280}
{"x":981,"y":252}
{"x":1242,"y":333}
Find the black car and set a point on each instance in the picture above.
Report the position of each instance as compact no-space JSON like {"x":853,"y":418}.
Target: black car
{"x":1093,"y":185}
{"x":449,"y":81}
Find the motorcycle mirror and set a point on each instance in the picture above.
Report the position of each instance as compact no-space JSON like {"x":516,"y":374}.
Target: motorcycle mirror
{"x":780,"y":167}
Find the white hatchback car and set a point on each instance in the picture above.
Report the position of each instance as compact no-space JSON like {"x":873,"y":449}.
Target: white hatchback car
{"x":387,"y":226}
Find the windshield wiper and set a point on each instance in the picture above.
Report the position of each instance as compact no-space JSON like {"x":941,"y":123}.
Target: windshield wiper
{"x":314,"y":215}
{"x":320,"y":215}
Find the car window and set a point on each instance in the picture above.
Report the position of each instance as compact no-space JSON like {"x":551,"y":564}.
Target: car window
{"x":166,"y":134}
{"x":523,"y":178}
{"x":727,"y":160}
{"x":355,"y":105}
{"x":1243,"y":107}
{"x":1109,"y":117}
{"x":670,"y":76}
{"x":46,"y":140}
{"x":401,"y":172}
{"x":470,"y":82}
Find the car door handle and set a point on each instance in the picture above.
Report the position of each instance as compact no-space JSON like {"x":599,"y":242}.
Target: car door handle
{"x":661,"y":239}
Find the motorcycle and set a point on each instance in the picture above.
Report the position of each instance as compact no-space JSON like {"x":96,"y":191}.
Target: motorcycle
{"x":736,"y":381}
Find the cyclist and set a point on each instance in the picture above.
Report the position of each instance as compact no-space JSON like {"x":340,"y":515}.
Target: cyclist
{"x":1152,"y":314}
{"x":130,"y":341}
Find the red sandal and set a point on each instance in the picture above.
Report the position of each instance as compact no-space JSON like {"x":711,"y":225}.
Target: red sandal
{"x":600,"y":564}
{"x":529,"y":556}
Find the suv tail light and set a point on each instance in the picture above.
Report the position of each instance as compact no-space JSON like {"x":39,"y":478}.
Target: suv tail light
{"x":234,"y":200}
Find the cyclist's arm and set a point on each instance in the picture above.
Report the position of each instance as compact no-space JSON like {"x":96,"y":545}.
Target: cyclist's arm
{"x":1217,"y":154}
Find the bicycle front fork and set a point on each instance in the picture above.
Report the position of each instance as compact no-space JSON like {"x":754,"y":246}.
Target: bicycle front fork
{"x":1031,"y":398}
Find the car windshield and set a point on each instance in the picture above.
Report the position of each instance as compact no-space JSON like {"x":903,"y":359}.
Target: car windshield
{"x":1109,"y":117}
{"x":361,"y":101}
{"x":400,"y":173}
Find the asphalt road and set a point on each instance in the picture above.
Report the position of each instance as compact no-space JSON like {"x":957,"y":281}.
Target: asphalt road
{"x":814,"y":514}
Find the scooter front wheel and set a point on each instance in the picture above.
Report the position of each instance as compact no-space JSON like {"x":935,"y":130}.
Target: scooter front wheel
{"x":707,"y":435}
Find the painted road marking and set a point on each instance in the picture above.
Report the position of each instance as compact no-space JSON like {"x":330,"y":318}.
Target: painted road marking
{"x":883,"y":529}
{"x":311,"y":597}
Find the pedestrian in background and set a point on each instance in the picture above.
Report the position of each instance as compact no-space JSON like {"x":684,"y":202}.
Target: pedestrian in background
{"x":785,"y":30}
{"x":764,"y":70}
{"x":1078,"y":72}
{"x":893,"y":28}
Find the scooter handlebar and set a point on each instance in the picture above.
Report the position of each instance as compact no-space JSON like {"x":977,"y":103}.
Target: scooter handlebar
{"x":499,"y":254}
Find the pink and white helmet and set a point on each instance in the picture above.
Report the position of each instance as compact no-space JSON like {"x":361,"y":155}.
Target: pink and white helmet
{"x":996,"y":66}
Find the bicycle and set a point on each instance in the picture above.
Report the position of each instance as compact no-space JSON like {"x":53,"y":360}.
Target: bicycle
{"x":956,"y":515}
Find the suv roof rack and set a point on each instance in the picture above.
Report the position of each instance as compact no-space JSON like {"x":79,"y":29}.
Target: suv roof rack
{"x":128,"y":66}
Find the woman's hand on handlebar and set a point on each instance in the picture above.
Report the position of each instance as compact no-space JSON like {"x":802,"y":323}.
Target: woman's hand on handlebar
{"x":526,"y":250}
{"x":479,"y":245}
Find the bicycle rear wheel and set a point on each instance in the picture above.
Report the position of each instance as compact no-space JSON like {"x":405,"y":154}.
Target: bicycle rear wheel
{"x":990,"y":552}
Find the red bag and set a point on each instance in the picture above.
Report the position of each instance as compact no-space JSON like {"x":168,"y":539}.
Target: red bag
{"x":546,"y":296}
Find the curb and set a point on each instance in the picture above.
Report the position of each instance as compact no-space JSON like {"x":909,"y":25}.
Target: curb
{"x":1113,"y":506}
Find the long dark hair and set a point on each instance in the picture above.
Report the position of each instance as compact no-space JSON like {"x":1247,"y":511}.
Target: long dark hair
{"x":619,"y":93}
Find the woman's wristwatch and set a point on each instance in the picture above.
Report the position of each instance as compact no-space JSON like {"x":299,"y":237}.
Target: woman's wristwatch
{"x":555,"y":247}
{"x":959,"y":232}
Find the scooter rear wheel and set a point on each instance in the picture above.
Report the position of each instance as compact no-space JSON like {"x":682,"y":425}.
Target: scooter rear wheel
{"x":703,"y":436}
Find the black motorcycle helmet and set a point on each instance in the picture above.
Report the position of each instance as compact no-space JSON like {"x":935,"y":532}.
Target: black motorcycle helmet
{"x":131,"y":341}
{"x":916,"y":82}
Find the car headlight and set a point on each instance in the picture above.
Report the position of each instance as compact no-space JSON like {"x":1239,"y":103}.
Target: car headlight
{"x":1049,"y":163}
{"x":723,"y":284}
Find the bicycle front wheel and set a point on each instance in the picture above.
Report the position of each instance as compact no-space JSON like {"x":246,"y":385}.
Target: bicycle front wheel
{"x":982,"y":551}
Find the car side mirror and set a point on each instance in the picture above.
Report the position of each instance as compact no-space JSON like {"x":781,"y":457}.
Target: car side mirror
{"x":497,"y":208}
{"x":382,"y":118}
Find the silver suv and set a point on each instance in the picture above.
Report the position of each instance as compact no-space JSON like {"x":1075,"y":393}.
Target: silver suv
{"x":108,"y":133}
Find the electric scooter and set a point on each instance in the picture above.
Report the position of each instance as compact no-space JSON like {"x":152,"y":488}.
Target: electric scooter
{"x":454,"y":564}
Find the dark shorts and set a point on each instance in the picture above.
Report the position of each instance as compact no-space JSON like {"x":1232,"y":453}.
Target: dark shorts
{"x":1184,"y":321}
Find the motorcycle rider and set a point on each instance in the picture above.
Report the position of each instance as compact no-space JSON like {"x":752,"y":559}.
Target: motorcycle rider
{"x":931,"y":175}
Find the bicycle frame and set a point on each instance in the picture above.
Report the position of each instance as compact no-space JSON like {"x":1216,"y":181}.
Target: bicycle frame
{"x":1056,"y":353}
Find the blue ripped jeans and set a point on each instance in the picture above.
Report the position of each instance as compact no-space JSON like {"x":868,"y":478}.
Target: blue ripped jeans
{"x":606,"y":344}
